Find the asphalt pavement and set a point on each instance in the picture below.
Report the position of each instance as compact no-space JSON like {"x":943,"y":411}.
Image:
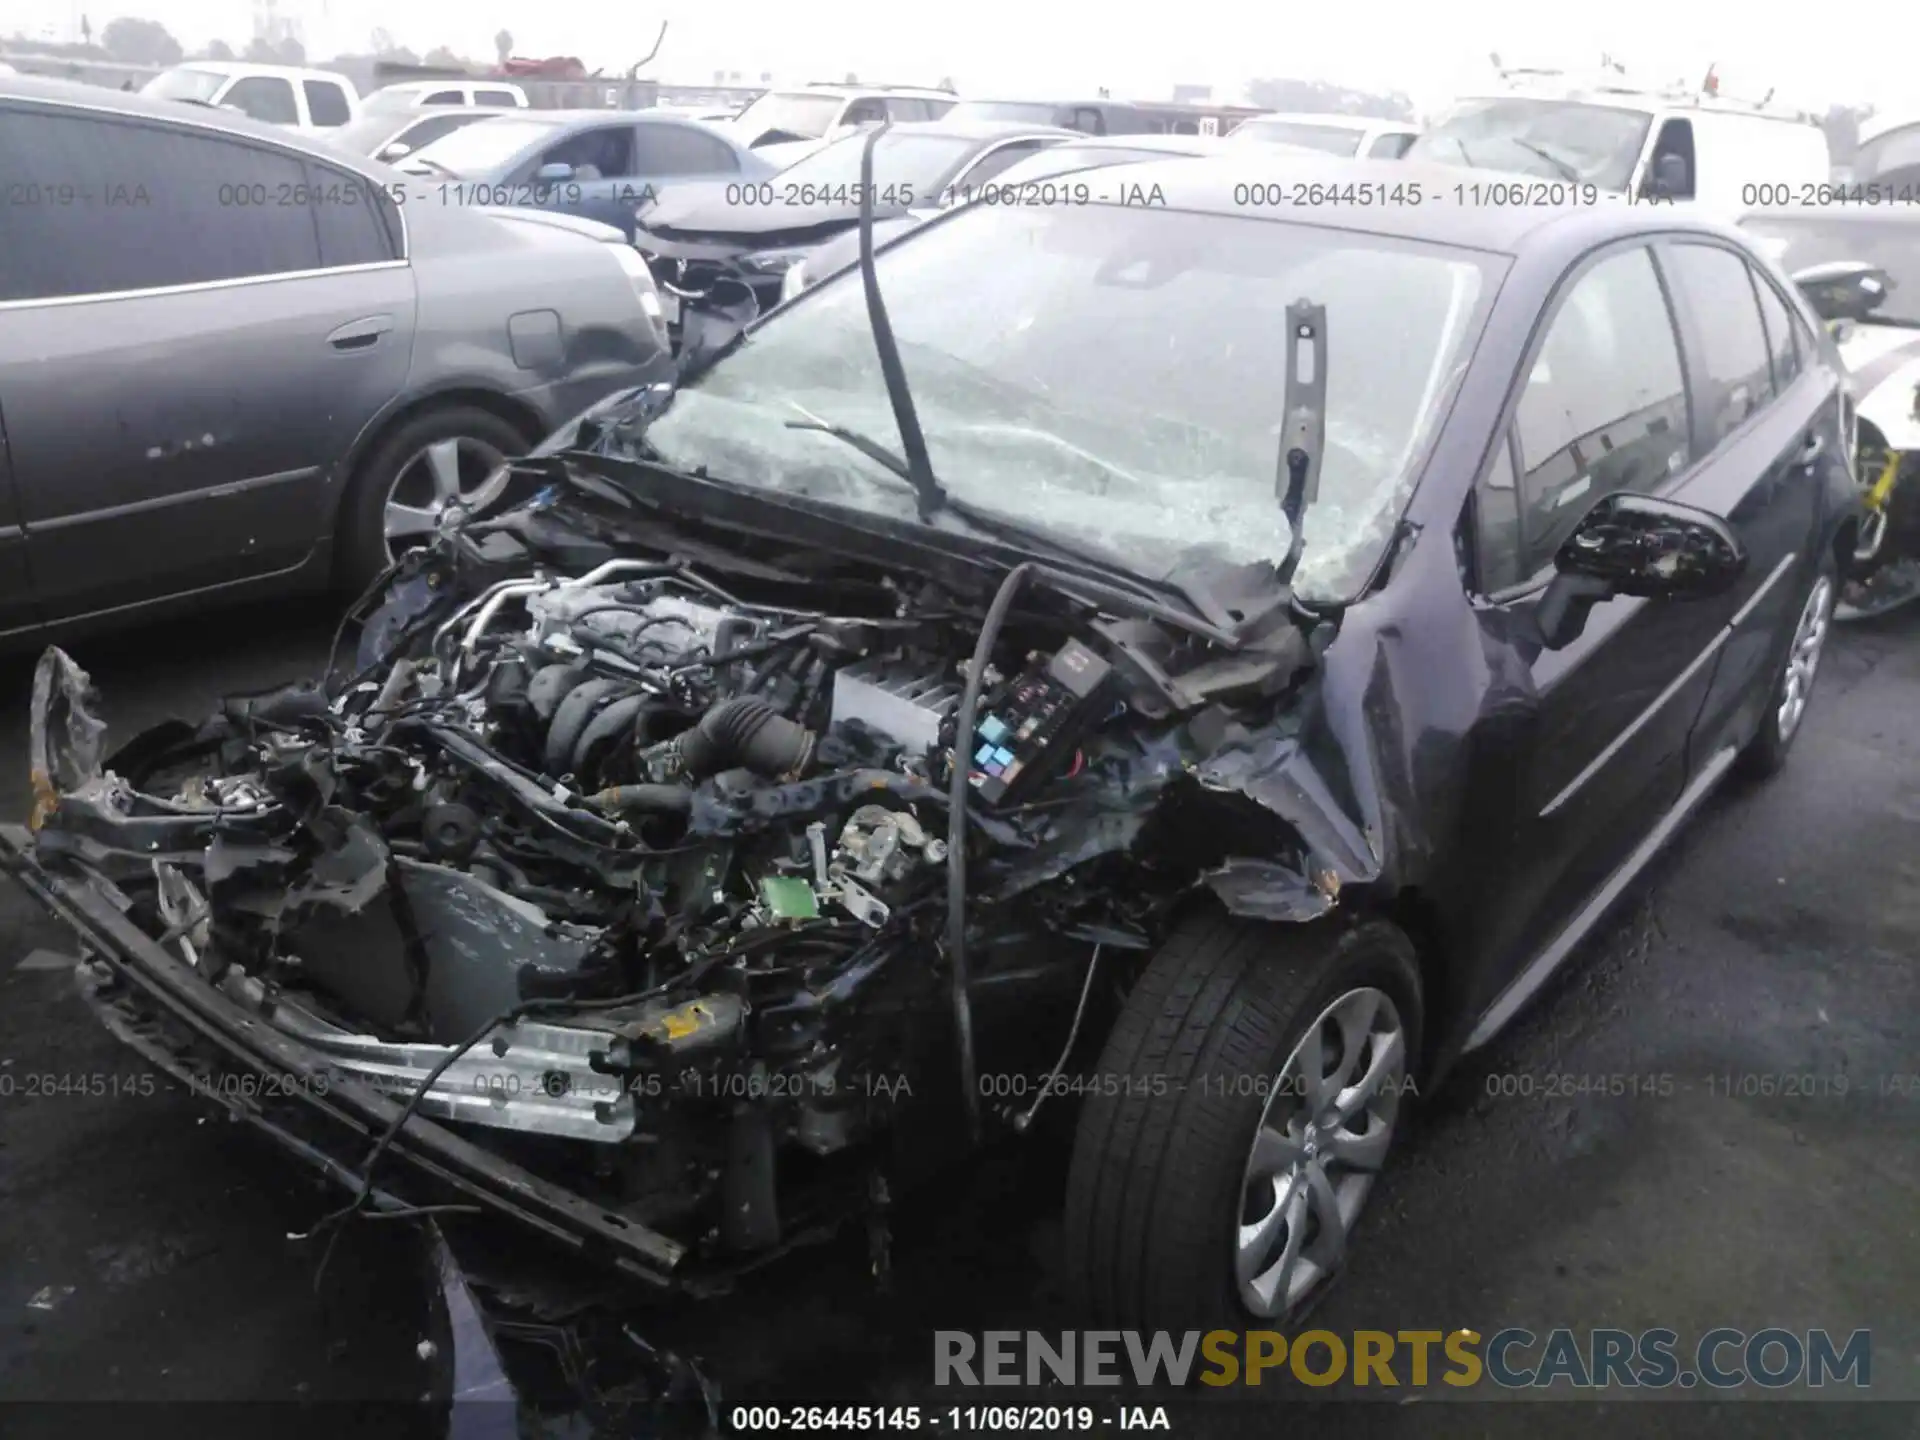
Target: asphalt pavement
{"x":1767,"y":967}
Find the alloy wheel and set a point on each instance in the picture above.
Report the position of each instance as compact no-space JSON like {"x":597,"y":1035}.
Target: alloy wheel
{"x":459,"y":471}
{"x":1323,"y":1136}
{"x":1803,"y":658}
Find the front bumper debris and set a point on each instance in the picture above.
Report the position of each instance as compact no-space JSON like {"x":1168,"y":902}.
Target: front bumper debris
{"x":326,"y":1112}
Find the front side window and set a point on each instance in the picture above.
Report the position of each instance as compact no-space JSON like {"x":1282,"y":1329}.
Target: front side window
{"x":1604,"y":407}
{"x":264,"y":97}
{"x":602,"y":154}
{"x":1557,"y":139}
{"x":1040,"y":407}
{"x":445,"y":97}
{"x":1719,"y":289}
{"x":1390,"y":146}
{"x":142,"y":196}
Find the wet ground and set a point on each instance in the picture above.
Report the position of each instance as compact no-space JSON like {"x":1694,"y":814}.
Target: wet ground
{"x":1767,"y":966}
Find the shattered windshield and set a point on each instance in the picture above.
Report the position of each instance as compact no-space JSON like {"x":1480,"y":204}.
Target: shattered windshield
{"x":1125,"y":387}
{"x":1556,"y":139}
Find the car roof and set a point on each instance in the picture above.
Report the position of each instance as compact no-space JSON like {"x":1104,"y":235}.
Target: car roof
{"x":445,"y":81}
{"x":1043,"y":100}
{"x":1876,"y":127}
{"x":248,"y":67}
{"x":829,"y":87}
{"x":1216,"y":184}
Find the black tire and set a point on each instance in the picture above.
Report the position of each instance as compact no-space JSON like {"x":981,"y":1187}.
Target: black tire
{"x":1159,"y":1160}
{"x":1766,"y":753}
{"x":362,"y":550}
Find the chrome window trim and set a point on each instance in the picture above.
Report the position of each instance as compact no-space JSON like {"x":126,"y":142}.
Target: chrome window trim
{"x":95,"y":297}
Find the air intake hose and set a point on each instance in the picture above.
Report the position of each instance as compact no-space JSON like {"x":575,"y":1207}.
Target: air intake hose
{"x":744,"y":733}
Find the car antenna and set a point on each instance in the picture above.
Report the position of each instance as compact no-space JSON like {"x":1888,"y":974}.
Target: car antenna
{"x":1303,"y":436}
{"x":912,"y":441}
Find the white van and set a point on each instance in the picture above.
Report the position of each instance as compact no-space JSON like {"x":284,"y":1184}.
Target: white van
{"x":1678,"y":143}
{"x":289,"y":95}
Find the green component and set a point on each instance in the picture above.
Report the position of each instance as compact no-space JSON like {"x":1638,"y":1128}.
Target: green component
{"x":790,"y":898}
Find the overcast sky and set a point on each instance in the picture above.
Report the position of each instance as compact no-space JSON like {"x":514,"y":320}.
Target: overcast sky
{"x":1430,"y":49}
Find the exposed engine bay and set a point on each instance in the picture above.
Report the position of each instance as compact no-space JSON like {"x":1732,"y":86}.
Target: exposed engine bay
{"x":646,"y":871}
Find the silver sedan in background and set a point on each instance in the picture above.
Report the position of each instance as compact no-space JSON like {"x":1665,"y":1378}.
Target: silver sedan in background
{"x":235,"y":361}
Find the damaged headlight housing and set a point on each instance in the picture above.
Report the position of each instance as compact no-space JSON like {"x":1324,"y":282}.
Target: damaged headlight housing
{"x":794,"y":281}
{"x":772,"y":262}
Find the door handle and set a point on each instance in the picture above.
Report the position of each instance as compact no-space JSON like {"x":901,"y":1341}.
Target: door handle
{"x":359,"y":334}
{"x":1812,"y":448}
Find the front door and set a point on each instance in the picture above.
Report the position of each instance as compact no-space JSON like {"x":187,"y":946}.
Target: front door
{"x":1601,"y":752}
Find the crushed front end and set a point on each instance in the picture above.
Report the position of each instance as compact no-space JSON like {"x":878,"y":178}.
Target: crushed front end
{"x":608,"y":885}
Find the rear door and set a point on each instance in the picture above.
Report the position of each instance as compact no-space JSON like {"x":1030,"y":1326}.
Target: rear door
{"x":1766,"y":422}
{"x":186,"y":351}
{"x":1601,"y":406}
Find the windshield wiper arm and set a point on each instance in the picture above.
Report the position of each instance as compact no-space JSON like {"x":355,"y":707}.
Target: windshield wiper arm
{"x":913,"y":441}
{"x":1561,"y":167}
{"x":1105,"y":569}
{"x":1303,"y":437}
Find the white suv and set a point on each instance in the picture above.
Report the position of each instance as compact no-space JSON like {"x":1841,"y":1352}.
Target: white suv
{"x":286,"y":95}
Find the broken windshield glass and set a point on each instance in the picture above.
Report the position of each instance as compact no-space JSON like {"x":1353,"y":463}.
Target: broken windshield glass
{"x":1125,"y":386}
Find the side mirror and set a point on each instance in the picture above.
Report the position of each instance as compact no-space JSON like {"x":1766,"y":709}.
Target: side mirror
{"x":1672,"y":179}
{"x":394,"y":151}
{"x":1640,"y":546}
{"x":1844,"y":289}
{"x":551,"y":174}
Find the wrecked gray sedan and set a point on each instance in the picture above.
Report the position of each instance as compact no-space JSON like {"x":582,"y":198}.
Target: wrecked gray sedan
{"x":1195,"y":692}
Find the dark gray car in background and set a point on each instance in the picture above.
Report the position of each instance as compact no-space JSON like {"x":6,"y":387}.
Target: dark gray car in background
{"x":234,"y":361}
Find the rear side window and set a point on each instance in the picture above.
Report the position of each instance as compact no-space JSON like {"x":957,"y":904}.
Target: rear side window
{"x":326,"y":103}
{"x":1719,"y":290}
{"x":264,"y":97}
{"x":353,"y":217}
{"x":495,"y":97}
{"x":1603,"y":407}
{"x":1783,"y":340}
{"x":667,"y":150}
{"x":151,"y":206}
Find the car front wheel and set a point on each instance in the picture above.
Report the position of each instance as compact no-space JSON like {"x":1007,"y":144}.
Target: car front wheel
{"x":436,"y":461}
{"x":1247,"y":1098}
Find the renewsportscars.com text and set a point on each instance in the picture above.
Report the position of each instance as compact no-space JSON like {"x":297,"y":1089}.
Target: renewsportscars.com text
{"x":1512,"y":1358}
